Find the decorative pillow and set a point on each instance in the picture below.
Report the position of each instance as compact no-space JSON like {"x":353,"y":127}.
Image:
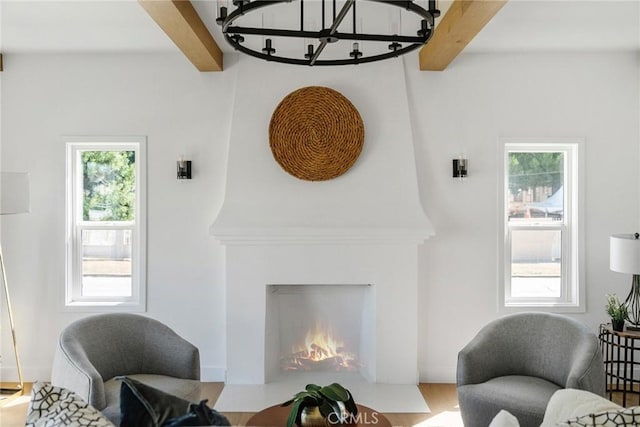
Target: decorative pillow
{"x":504,"y":419}
{"x":145,"y":406}
{"x":622,"y":417}
{"x":199,"y":415}
{"x":52,"y":406}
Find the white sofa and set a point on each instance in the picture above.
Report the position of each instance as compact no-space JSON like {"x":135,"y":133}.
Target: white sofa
{"x":571,"y":407}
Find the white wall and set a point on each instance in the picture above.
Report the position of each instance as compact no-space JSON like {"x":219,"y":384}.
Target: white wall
{"x":479,"y":98}
{"x":181,"y":111}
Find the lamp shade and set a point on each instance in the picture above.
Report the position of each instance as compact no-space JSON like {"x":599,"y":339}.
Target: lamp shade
{"x":624,"y":255}
{"x":14,"y":193}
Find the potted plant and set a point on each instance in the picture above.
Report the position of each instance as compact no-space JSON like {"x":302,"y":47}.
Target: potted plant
{"x":321,"y":406}
{"x":617,"y":311}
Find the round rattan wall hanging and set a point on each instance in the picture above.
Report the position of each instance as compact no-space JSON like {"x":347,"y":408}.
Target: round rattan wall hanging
{"x":316,"y":133}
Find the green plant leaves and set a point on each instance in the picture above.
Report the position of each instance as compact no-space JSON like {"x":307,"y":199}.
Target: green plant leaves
{"x":335,"y":392}
{"x":325,"y":398}
{"x":294,"y":415}
{"x":327,"y":408}
{"x":351,"y":406}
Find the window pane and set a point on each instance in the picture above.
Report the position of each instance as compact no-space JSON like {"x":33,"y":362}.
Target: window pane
{"x":536,"y":263}
{"x":536,"y":186}
{"x":106,"y":263}
{"x":108,"y":185}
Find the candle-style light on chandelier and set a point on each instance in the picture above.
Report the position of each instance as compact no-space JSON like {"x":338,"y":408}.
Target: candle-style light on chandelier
{"x":396,"y":44}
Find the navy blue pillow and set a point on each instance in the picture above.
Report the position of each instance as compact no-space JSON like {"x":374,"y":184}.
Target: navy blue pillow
{"x":145,"y":406}
{"x":199,"y":415}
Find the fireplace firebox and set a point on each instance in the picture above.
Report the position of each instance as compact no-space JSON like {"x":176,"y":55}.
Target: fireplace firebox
{"x":319,"y":328}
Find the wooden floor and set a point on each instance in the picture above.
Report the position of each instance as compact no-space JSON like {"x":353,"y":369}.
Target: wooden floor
{"x":441,"y":398}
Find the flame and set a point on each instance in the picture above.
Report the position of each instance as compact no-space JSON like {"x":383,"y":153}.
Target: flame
{"x":321,"y":351}
{"x":321,"y":344}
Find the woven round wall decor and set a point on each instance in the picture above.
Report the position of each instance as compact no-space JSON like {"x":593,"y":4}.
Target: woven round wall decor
{"x":316,"y":133}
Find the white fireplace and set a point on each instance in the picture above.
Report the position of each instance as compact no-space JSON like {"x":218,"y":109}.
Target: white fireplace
{"x":389,"y":269}
{"x":358,"y":231}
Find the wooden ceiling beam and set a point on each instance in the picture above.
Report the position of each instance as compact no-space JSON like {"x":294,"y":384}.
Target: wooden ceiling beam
{"x":461,"y":23}
{"x":183,"y":25}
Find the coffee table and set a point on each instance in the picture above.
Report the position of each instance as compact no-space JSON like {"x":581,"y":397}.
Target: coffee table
{"x":276,"y":416}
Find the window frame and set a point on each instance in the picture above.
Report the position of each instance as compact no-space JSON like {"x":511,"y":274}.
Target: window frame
{"x":573,"y":296}
{"x":73,"y":299}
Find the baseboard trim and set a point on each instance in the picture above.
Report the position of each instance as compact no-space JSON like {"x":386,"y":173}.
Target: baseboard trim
{"x":29,"y":373}
{"x":438,"y":374}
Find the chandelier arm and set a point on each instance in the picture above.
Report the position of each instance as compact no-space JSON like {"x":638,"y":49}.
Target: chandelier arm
{"x":318,"y":51}
{"x":326,"y":62}
{"x":382,"y":38}
{"x":274,"y":32}
{"x":343,"y":12}
{"x":334,"y":28}
{"x":323,"y":14}
{"x":354,"y":17}
{"x":316,"y":34}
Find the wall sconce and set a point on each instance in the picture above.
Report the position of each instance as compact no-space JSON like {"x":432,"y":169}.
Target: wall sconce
{"x":184,"y":168}
{"x":460,"y":167}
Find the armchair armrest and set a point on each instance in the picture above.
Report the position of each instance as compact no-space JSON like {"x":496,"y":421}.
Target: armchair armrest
{"x":74,"y":372}
{"x":166,"y":353}
{"x":481,"y":359}
{"x":587,"y":371}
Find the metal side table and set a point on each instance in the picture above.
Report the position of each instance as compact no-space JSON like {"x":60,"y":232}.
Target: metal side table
{"x":621,"y":363}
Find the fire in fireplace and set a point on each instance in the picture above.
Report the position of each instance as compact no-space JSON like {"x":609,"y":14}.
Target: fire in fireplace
{"x":315,"y":329}
{"x":322,"y":350}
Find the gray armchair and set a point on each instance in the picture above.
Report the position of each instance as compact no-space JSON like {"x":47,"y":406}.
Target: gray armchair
{"x":517,"y":362}
{"x":94,"y":350}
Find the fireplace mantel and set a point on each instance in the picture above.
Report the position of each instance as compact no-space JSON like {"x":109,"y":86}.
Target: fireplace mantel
{"x":318,"y":235}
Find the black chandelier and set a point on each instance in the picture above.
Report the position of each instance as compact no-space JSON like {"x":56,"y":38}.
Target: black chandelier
{"x":396,"y":44}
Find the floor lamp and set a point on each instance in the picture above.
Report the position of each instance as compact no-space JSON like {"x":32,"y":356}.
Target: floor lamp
{"x":624,"y":257}
{"x":14,"y":199}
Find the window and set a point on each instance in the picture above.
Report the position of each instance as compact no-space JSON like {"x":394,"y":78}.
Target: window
{"x":541,"y":245}
{"x":106,"y":240}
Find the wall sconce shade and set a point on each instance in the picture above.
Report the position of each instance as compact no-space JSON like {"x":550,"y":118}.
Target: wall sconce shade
{"x":460,"y":167}
{"x":184,"y":168}
{"x":624,"y":257}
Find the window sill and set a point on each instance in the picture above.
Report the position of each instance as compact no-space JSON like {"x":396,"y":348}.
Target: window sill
{"x":513,"y":307}
{"x":104,"y":306}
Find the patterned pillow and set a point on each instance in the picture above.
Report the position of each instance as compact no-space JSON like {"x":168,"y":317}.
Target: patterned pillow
{"x":622,"y":417}
{"x":52,"y":406}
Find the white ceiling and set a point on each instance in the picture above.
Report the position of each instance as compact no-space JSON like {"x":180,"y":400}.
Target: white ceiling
{"x":123,"y":26}
{"x":584,"y":25}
